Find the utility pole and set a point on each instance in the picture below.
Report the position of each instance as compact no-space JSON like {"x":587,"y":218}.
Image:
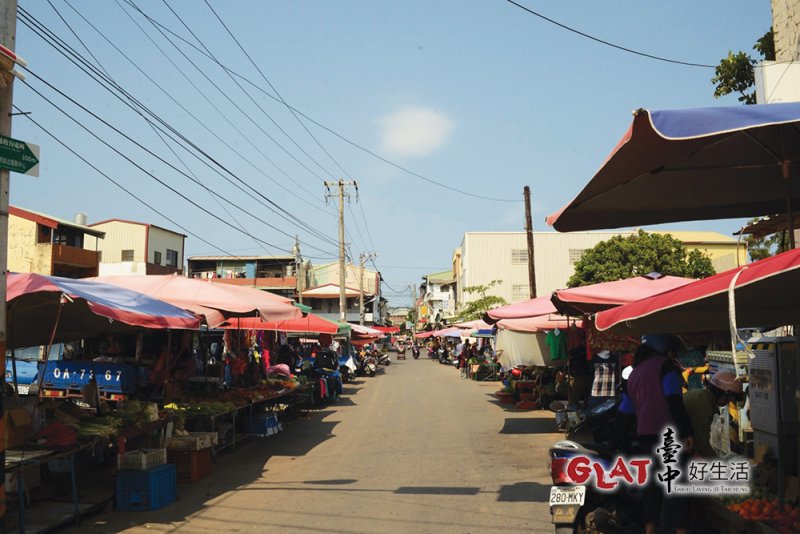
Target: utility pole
{"x":414,"y":307}
{"x":342,"y":186}
{"x":8,"y":38}
{"x":298,"y":268}
{"x":529,"y":236}
{"x":363,"y":258}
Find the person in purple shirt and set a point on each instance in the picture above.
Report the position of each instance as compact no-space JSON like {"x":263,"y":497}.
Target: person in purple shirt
{"x":653,"y":400}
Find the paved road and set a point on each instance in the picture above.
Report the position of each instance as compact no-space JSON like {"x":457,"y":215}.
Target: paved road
{"x":417,"y":449}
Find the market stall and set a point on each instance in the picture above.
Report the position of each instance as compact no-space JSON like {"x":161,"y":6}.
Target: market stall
{"x":736,"y":162}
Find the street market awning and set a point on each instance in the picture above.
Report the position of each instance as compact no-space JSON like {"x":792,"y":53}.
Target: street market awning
{"x":477,"y":324}
{"x":766,"y":293}
{"x":87,"y":309}
{"x":311,"y":324}
{"x":213,"y":300}
{"x":526,"y":308}
{"x":387,"y":329}
{"x":693,"y":164}
{"x":577,"y":301}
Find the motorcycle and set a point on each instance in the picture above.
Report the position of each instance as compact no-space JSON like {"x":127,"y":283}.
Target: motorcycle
{"x":347,"y":368}
{"x":401,"y":352}
{"x":582,"y":508}
{"x":383,"y":359}
{"x":369,"y":366}
{"x":442,"y":356}
{"x":415,"y":352}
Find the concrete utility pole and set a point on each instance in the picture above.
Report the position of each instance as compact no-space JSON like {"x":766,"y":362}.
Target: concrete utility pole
{"x":342,"y":186}
{"x":363,"y":258}
{"x":8,"y":38}
{"x":298,"y":269}
{"x":529,"y":236}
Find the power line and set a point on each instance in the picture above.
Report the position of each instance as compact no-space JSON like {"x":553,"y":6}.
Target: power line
{"x":607,"y":43}
{"x":142,"y":169}
{"x":60,"y":46}
{"x":109,"y":178}
{"x":155,"y":130}
{"x":311,"y":120}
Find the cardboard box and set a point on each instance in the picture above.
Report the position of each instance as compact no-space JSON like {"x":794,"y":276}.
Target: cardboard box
{"x":18,"y":422}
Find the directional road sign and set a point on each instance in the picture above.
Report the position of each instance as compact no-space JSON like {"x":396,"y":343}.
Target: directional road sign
{"x":19,"y":156}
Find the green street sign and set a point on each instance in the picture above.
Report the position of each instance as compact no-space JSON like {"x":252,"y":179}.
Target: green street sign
{"x":19,"y":156}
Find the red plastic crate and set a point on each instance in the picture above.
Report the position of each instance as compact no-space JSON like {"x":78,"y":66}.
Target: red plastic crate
{"x":191,"y":465}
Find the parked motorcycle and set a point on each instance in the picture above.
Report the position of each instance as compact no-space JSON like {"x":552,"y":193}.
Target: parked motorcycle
{"x":582,"y":508}
{"x":383,"y":359}
{"x":369,"y":366}
{"x":347,"y":368}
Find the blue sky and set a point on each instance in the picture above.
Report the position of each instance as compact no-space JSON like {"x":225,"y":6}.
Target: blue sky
{"x":476,"y":94}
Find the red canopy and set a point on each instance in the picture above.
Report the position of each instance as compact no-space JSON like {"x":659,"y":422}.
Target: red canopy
{"x":767,"y":293}
{"x":204,"y":297}
{"x":310,"y":323}
{"x":386,"y":329}
{"x":526,"y":308}
{"x":423,"y":335}
{"x":597,"y":297}
{"x":87,"y":309}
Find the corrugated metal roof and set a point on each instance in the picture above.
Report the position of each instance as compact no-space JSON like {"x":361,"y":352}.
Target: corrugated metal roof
{"x":441,"y":276}
{"x":60,"y":221}
{"x":238,"y":258}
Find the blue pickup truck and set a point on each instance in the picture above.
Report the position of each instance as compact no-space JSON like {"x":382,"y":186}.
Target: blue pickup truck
{"x":29,"y":365}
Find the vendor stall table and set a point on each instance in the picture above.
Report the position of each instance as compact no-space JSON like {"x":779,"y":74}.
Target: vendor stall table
{"x":23,"y":463}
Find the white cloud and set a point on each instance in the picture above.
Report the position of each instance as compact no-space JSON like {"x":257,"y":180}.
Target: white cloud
{"x":414,"y":132}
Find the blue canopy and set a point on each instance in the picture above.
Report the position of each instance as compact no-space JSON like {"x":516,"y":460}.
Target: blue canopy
{"x":693,"y":164}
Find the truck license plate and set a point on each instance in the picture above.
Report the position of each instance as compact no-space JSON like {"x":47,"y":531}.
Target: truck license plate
{"x":569,"y":495}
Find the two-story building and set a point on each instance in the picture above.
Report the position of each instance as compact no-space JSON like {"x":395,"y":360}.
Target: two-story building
{"x":323,"y":293}
{"x":137,"y":248}
{"x":276,"y":274}
{"x":43,"y":244}
{"x":437,"y":297}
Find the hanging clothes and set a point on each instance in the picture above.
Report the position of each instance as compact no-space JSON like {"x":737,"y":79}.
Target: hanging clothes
{"x":557,"y":342}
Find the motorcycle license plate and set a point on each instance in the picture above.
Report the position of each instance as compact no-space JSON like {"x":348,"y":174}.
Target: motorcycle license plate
{"x":569,"y":495}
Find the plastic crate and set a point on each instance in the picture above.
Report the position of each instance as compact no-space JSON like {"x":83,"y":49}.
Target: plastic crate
{"x":191,"y":466}
{"x":194,"y":441}
{"x":141,"y":460}
{"x":262,"y":425}
{"x":146,"y":490}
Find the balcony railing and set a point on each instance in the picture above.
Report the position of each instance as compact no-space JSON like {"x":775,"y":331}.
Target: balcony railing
{"x":74,"y":256}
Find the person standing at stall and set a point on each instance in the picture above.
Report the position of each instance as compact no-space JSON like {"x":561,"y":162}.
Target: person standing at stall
{"x":703,"y":404}
{"x":653,"y":401}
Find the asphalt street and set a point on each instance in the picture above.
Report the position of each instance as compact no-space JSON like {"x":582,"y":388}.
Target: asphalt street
{"x":414,"y":449}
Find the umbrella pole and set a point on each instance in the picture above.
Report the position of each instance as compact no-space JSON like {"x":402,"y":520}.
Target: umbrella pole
{"x":790,"y":217}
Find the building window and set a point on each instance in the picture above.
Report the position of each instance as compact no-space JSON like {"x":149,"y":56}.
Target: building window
{"x":43,"y":234}
{"x":127,"y":255}
{"x":520,"y":292}
{"x":172,"y":258}
{"x":519,"y":256}
{"x":575,"y":255}
{"x":157,"y":257}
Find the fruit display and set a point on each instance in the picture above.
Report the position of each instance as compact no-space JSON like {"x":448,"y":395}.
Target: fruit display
{"x":766,"y":510}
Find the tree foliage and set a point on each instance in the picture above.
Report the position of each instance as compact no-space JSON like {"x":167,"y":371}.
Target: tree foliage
{"x":476,"y":308}
{"x":639,"y":254}
{"x":735,"y":73}
{"x":763,"y":247}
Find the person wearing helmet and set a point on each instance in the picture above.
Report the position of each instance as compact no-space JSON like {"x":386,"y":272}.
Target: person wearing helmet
{"x":703,"y":404}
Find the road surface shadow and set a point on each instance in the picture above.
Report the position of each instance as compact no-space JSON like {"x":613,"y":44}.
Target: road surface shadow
{"x":528,"y":425}
{"x":524,"y":492}
{"x":234,"y":469}
{"x":437,"y":490}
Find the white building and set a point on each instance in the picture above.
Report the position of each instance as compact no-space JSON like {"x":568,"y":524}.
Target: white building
{"x":437,"y":297}
{"x":132,"y":247}
{"x":486,"y":256}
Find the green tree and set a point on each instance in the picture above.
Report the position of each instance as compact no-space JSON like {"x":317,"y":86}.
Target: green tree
{"x":735,"y":73}
{"x":759,"y":248}
{"x":639,"y":254}
{"x":476,"y":308}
